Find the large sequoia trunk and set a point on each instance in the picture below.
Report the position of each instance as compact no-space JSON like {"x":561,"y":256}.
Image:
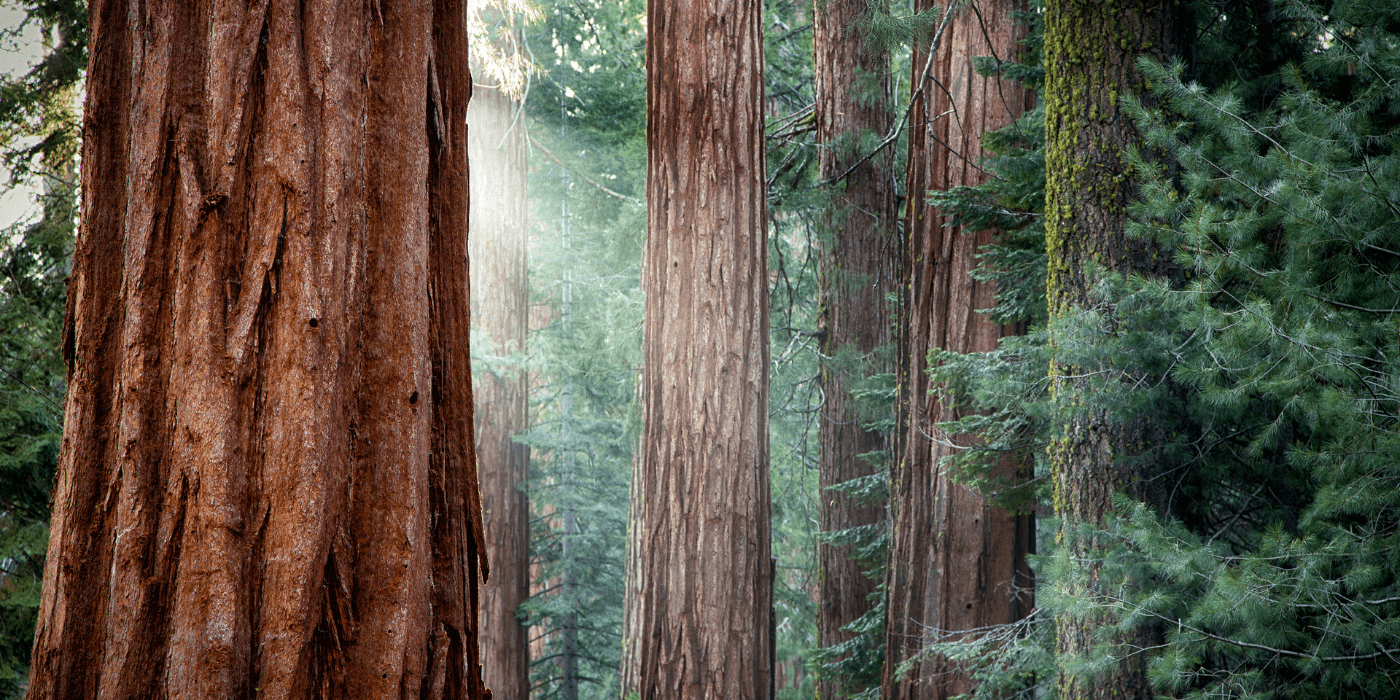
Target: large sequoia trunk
{"x":1090,"y":51}
{"x":267,"y":483}
{"x":699,"y":577}
{"x":500,"y":311}
{"x":857,"y":271}
{"x":957,"y":562}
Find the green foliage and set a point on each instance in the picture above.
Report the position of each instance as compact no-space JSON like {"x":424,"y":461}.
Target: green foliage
{"x":38,"y":142}
{"x":1270,"y":368}
{"x":587,"y":108}
{"x":1288,"y":217}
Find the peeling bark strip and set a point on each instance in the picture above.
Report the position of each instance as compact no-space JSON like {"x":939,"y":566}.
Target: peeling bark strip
{"x":500,"y":310}
{"x":267,"y":485}
{"x":857,"y":270}
{"x":699,"y":577}
{"x":956,"y":561}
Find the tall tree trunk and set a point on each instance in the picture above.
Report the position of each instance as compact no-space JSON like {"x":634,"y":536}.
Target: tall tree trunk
{"x":268,"y":485}
{"x":699,"y":577}
{"x":1090,"y":50}
{"x":857,"y":270}
{"x":500,"y":311}
{"x":956,"y":561}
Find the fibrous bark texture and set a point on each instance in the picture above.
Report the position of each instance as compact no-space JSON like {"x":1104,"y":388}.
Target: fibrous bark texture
{"x":857,"y":271}
{"x":1090,"y":51}
{"x":957,"y":562}
{"x":500,"y":312}
{"x":699,"y":579}
{"x":267,"y":484}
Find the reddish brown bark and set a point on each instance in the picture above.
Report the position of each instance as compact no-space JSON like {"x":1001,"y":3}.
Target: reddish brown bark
{"x":699,"y":579}
{"x":857,"y":270}
{"x":267,"y":483}
{"x":957,"y":562}
{"x":500,"y":310}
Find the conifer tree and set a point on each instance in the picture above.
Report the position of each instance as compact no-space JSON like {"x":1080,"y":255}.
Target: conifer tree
{"x":858,"y":271}
{"x":957,"y":561}
{"x":699,"y":577}
{"x":500,"y":310}
{"x":39,"y":141}
{"x":1091,"y":49}
{"x":267,"y":483}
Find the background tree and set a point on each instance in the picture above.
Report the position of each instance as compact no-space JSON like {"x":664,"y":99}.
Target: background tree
{"x":958,"y":561}
{"x":585,"y":114}
{"x":496,"y":144}
{"x":858,"y":271}
{"x":268,"y":481}
{"x":699,"y":578}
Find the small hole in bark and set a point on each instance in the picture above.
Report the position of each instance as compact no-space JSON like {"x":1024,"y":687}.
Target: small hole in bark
{"x":314,"y":322}
{"x":413,"y":398}
{"x":969,"y":606}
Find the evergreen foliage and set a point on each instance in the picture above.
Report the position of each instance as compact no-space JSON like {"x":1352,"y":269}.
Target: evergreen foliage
{"x":38,"y":143}
{"x":1273,"y":572}
{"x":586,"y":112}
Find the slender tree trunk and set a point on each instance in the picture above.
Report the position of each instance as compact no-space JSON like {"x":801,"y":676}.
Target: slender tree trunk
{"x":956,"y":562}
{"x":267,"y":484}
{"x":500,"y":310}
{"x":1090,"y":50}
{"x":699,"y":578}
{"x":857,"y":271}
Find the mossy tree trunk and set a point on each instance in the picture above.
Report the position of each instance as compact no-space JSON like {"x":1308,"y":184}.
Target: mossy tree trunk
{"x":857,"y":270}
{"x":500,"y":311}
{"x":957,"y":562}
{"x":267,"y":484}
{"x":1091,"y":47}
{"x":699,"y":573}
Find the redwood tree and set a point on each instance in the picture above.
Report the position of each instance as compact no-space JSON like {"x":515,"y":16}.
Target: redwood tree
{"x":699,"y":576}
{"x":267,"y":483}
{"x":1091,"y":47}
{"x":857,"y":270}
{"x":500,"y":311}
{"x":957,"y":562}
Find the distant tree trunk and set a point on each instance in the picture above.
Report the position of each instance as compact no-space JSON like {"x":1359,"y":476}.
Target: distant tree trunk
{"x":267,"y":486}
{"x":699,"y":578}
{"x":1090,"y":50}
{"x":856,"y":270}
{"x":956,"y":561}
{"x":500,"y":310}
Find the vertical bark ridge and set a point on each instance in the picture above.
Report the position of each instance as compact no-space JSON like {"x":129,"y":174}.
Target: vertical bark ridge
{"x":699,"y":568}
{"x":957,"y":562}
{"x":268,"y":482}
{"x":858,"y":270}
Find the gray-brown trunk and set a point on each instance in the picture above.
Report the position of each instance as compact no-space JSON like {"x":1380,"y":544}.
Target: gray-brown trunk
{"x":1090,"y":54}
{"x":699,"y":584}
